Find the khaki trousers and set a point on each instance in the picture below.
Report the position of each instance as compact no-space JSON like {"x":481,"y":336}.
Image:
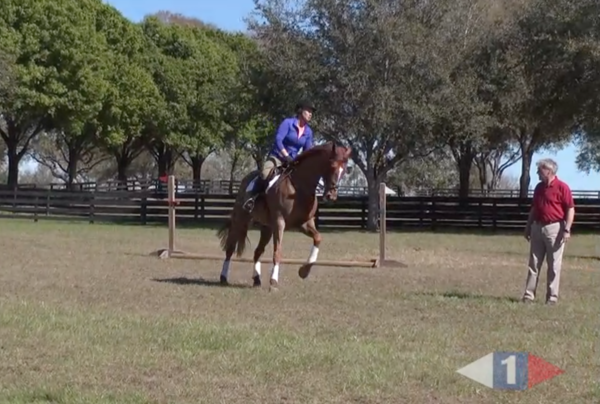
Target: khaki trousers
{"x":546,"y":242}
{"x":269,"y":165}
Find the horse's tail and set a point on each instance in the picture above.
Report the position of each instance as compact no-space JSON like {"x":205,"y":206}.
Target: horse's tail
{"x":234,"y":232}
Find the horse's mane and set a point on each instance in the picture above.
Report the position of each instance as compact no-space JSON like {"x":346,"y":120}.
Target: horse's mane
{"x":314,"y":150}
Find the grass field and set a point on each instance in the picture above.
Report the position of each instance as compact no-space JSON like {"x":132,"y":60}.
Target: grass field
{"x":86,"y":316}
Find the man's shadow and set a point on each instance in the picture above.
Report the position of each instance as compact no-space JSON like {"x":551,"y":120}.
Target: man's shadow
{"x":469,"y":296}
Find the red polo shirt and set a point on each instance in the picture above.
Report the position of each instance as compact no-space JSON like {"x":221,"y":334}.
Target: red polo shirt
{"x":551,"y":202}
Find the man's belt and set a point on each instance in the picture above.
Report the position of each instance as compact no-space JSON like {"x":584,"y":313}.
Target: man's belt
{"x":546,"y":223}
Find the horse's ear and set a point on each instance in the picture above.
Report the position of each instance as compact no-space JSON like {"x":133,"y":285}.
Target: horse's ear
{"x":333,"y":147}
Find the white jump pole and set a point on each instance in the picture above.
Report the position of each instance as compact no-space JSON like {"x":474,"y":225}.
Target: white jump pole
{"x":382,"y":222}
{"x":381,"y":261}
{"x":172,"y":202}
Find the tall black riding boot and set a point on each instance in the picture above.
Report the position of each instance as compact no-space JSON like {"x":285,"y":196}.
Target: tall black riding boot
{"x":259,"y":187}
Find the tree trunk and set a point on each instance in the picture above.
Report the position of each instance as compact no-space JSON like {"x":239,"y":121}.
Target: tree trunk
{"x":496,"y":178}
{"x":164,"y":160}
{"x":13,"y":165}
{"x":234,"y":162}
{"x":465,"y":163}
{"x":463,"y":156}
{"x":525,"y":178}
{"x":483,"y":175}
{"x":12,"y":138}
{"x":72,"y":164}
{"x":197,"y":162}
{"x":123,"y":163}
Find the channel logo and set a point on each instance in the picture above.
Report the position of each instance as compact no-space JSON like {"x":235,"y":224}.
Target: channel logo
{"x":510,"y":370}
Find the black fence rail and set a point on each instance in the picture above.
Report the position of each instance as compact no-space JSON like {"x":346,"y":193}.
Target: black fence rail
{"x":227,"y":187}
{"x":349,"y":212}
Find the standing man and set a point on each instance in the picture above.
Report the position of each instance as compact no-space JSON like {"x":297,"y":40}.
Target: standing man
{"x":548,"y":229}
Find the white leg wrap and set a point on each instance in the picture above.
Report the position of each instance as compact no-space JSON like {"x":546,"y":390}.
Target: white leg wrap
{"x":257,"y":268}
{"x":225,"y":270}
{"x":275,"y":272}
{"x":314,"y":253}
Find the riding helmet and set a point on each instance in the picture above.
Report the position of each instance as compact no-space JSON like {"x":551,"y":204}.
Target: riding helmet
{"x":305,"y":104}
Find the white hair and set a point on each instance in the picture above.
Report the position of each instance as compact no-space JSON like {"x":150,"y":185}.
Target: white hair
{"x":548,"y":164}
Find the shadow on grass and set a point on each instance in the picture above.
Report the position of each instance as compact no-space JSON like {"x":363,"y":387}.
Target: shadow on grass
{"x":450,"y":230}
{"x":469,"y":296}
{"x":584,"y":257}
{"x":200,"y":282}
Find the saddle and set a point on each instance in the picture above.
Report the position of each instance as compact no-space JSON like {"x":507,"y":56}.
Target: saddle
{"x":276,"y":173}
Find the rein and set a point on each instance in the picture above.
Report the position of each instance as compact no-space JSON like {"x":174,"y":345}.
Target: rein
{"x":287,"y":173}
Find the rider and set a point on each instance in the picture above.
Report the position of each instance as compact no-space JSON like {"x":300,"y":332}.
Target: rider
{"x":292,"y":135}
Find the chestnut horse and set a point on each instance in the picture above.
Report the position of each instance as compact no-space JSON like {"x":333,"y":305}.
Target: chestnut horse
{"x":290,"y":201}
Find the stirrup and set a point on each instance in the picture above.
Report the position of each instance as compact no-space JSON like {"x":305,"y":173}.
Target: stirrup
{"x":249,"y":204}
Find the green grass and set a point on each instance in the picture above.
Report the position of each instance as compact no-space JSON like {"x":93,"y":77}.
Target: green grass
{"x":87,"y":316}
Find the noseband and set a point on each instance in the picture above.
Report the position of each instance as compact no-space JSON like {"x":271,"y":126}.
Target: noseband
{"x":334,"y":187}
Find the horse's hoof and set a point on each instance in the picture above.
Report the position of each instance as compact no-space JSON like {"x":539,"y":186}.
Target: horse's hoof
{"x":304,"y":270}
{"x":274,"y":286}
{"x":223,"y":280}
{"x":256,"y":281}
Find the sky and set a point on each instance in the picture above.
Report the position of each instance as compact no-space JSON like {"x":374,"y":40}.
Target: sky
{"x":230,"y":14}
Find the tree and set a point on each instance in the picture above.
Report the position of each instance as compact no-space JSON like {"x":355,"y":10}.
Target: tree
{"x":436,"y":171}
{"x":494,"y":156}
{"x":133,"y":104}
{"x":248,"y":125}
{"x":585,"y":27}
{"x":48,"y":41}
{"x":74,"y":128}
{"x":532,"y":79}
{"x":69,"y":158}
{"x":462,"y":115}
{"x":588,"y":156}
{"x":195,"y":74}
{"x":366,"y":62}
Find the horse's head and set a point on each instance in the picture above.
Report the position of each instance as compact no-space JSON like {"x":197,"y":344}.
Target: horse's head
{"x":338,"y":159}
{"x":326,"y":161}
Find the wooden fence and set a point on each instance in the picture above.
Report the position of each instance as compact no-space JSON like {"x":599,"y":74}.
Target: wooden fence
{"x":224,"y":187}
{"x":348,"y":212}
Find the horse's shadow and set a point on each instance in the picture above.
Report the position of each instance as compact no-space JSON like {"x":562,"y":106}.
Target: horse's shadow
{"x":469,"y":296}
{"x":182,"y":280}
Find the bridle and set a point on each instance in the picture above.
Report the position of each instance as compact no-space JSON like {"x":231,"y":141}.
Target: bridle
{"x":331,"y":186}
{"x":287,"y":171}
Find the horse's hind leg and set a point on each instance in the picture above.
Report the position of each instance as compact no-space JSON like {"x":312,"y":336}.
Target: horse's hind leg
{"x":310,"y":229}
{"x":265,"y":236}
{"x":226,"y":264}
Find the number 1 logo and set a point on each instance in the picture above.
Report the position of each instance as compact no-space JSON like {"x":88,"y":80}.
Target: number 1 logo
{"x":510,"y":370}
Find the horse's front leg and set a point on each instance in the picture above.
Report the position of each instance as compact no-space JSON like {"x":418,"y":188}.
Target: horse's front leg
{"x":278,"y":229}
{"x":310,"y":229}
